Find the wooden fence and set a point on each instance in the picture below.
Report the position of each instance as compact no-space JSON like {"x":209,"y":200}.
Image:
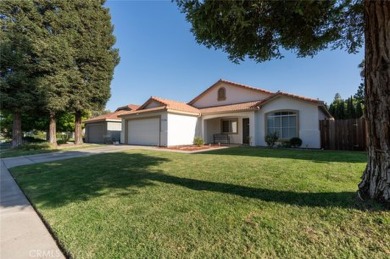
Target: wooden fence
{"x":348,"y":134}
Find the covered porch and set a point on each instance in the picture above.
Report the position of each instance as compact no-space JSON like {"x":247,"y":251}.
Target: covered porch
{"x":237,"y":128}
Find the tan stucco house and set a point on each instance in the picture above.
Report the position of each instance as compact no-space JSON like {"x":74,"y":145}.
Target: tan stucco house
{"x":243,"y":113}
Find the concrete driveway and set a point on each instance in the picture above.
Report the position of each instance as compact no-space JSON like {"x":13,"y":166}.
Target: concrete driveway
{"x":22,"y":232}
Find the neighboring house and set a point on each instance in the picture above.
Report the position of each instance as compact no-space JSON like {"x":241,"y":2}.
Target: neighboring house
{"x":245,"y":114}
{"x":106,"y":128}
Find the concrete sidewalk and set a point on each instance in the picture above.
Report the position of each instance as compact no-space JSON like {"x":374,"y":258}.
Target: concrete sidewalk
{"x":22,"y":232}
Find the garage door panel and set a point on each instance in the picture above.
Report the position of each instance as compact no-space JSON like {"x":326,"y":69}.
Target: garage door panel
{"x":95,"y":133}
{"x":144,"y":132}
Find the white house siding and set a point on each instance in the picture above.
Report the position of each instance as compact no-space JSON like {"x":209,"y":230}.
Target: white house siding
{"x":113,"y":125}
{"x":123,"y":129}
{"x":164,"y":129}
{"x":234,"y":94}
{"x":181,"y":129}
{"x":321,"y":115}
{"x":308,"y":120}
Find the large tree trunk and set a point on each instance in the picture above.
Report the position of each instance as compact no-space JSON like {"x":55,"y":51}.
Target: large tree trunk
{"x":375,"y":182}
{"x":17,"y":130}
{"x":78,"y":134}
{"x":53,"y":129}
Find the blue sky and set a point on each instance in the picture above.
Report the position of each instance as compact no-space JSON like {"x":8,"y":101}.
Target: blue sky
{"x":160,"y":57}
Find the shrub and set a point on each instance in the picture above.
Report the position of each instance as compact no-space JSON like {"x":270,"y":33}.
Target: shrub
{"x":198,"y":141}
{"x":296,"y":142}
{"x":35,"y":146}
{"x":30,"y":139}
{"x":285,"y":143}
{"x":61,"y":141}
{"x":271,"y":138}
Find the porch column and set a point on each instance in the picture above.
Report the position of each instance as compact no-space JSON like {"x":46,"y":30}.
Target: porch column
{"x":252,"y":129}
{"x":203,"y":128}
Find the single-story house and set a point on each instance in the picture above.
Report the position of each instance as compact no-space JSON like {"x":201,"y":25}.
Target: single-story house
{"x":226,"y":111}
{"x":106,"y":128}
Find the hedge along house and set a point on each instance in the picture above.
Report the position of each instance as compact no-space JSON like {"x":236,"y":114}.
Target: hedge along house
{"x":226,"y":111}
{"x":106,"y":128}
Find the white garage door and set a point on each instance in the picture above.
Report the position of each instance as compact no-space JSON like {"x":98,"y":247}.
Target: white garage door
{"x":144,"y":132}
{"x":95,"y":133}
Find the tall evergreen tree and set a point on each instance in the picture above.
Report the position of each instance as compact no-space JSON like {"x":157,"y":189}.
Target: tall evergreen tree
{"x":41,"y":26}
{"x":340,"y":110}
{"x":17,"y":78}
{"x":94,"y":58}
{"x":52,"y":49}
{"x":350,"y":109}
{"x":72,"y":55}
{"x":259,"y":29}
{"x":337,"y":107}
{"x":359,"y":109}
{"x":359,"y":95}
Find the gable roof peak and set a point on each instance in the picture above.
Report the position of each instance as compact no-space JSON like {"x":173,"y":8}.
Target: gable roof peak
{"x":229,"y":83}
{"x":127,"y":107}
{"x":170,"y":105}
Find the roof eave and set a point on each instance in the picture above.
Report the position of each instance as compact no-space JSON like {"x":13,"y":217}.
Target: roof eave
{"x":231,"y":111}
{"x":198,"y":114}
{"x":102,"y":120}
{"x":325,"y":111}
{"x":138,"y":112}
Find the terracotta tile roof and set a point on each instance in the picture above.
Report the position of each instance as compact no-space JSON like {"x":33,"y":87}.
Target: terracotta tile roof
{"x":166,"y":104}
{"x":114,"y":115}
{"x":160,"y":108}
{"x":247,"y":106}
{"x":245,"y":86}
{"x":320,"y":103}
{"x":106,"y":117}
{"x":231,"y":83}
{"x":277,"y":94}
{"x":177,"y":106}
{"x":128,"y":107}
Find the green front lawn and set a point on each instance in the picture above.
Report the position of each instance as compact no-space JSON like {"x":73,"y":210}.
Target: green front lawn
{"x":37,"y":148}
{"x":232,"y":203}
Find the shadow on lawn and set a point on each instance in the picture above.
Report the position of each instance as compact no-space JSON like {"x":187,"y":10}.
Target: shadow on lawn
{"x":319,"y":156}
{"x":129,"y":172}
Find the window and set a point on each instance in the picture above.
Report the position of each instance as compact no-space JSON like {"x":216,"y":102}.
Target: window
{"x":229,"y":126}
{"x":285,"y":123}
{"x":222,"y":94}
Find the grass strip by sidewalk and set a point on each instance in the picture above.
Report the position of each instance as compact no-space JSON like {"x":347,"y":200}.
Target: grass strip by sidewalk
{"x":38,"y":148}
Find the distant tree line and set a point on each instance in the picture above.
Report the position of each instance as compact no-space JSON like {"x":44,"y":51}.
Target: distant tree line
{"x":351,"y":108}
{"x":57,"y":62}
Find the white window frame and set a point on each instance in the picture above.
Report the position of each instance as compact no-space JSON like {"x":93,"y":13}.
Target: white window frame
{"x":279,"y":128}
{"x":232,"y":129}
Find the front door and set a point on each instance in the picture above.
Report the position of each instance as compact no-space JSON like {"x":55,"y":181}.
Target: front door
{"x":245,"y":131}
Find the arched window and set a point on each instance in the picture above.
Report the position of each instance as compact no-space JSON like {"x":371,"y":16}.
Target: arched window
{"x":221,"y":94}
{"x":285,"y":123}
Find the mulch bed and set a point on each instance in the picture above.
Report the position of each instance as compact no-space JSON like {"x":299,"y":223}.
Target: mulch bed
{"x":193,"y":147}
